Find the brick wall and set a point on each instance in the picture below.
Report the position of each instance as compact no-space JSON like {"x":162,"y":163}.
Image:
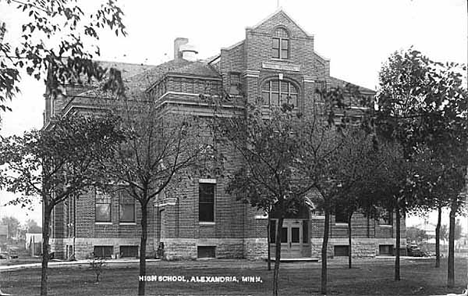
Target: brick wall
{"x":238,"y":229}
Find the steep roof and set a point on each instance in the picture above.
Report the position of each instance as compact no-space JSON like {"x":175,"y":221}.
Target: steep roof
{"x":280,"y":13}
{"x":198,"y":69}
{"x":336,"y":82}
{"x":137,"y":78}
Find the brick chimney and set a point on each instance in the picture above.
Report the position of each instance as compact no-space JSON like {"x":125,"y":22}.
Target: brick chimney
{"x":178,"y":42}
{"x":183,"y":50}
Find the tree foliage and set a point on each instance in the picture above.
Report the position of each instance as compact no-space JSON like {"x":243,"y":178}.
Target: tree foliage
{"x":268,"y":149}
{"x":422,"y":105}
{"x":13,"y":226}
{"x":57,"y":163}
{"x":57,"y":44}
{"x":162,"y":151}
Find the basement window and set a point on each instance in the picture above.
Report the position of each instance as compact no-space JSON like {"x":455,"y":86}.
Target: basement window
{"x":385,"y":249}
{"x":340,"y":251}
{"x":206,"y":252}
{"x":129,"y":251}
{"x":103,"y":251}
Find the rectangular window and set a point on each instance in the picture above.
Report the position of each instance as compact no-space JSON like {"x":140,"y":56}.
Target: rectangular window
{"x":103,"y":251}
{"x":385,"y":249}
{"x":206,"y":252}
{"x":340,"y":215}
{"x":284,"y":235}
{"x":103,"y":207}
{"x":276,"y":48}
{"x":341,"y":250}
{"x":127,"y":208}
{"x":235,"y":83}
{"x":128,"y":251}
{"x":284,"y":49}
{"x":295,"y":234}
{"x":206,"y":196}
{"x":305,"y":231}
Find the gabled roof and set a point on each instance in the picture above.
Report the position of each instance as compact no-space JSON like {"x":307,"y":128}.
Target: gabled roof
{"x":280,"y":11}
{"x":342,"y":83}
{"x":139,"y":78}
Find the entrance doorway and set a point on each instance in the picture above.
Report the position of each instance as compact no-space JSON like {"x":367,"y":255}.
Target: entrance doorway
{"x":292,"y":239}
{"x":295,"y":237}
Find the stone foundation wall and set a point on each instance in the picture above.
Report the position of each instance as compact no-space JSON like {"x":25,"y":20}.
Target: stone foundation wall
{"x":255,"y":248}
{"x":176,"y":249}
{"x":83,"y":247}
{"x":361,"y":247}
{"x":364,"y":249}
{"x":57,"y":247}
{"x":179,"y":249}
{"x":316,"y":248}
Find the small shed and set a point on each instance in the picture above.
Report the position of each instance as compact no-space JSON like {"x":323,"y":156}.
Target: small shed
{"x":34,"y":243}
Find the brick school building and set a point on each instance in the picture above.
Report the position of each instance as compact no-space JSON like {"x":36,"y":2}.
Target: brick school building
{"x":275,"y":60}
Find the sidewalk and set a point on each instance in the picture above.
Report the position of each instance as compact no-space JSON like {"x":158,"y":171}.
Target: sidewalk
{"x":77,"y":263}
{"x":215,"y":263}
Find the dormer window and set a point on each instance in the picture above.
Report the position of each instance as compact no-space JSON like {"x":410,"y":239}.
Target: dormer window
{"x":280,"y":49}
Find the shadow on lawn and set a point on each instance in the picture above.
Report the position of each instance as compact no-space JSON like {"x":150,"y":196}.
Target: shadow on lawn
{"x":368,"y":278}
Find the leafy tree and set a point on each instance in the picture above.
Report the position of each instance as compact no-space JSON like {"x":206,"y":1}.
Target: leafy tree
{"x":335,"y":162}
{"x":32,"y":227}
{"x":43,"y":56}
{"x":57,"y":163}
{"x":423,"y":105}
{"x":267,"y":179}
{"x":416,"y":235}
{"x":13,"y":226}
{"x":162,"y":151}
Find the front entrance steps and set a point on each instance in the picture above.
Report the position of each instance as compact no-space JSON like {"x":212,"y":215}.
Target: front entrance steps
{"x":300,"y":259}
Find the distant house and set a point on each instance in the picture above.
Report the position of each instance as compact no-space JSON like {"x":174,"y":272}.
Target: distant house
{"x":34,"y":243}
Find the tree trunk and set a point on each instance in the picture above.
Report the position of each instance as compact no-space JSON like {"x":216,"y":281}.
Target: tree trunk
{"x":144,"y":237}
{"x":350,"y":263}
{"x":451,"y":254}
{"x":397,"y":255}
{"x":268,"y":242}
{"x":437,"y":238}
{"x":45,"y":246}
{"x":277,"y":256}
{"x":326,"y":230}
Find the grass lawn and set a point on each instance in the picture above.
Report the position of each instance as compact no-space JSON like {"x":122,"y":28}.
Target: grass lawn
{"x":368,"y":277}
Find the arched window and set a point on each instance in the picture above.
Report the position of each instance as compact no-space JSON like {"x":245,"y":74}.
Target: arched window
{"x":280,"y":49}
{"x":277,"y":92}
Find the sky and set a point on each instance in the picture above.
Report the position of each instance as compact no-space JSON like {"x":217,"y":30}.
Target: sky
{"x":357,"y":36}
